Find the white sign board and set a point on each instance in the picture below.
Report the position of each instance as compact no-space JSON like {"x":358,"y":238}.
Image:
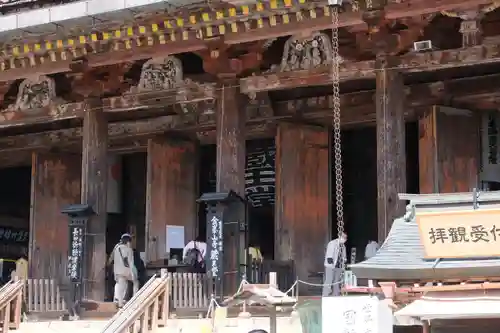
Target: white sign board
{"x":355,"y":314}
{"x":175,"y":237}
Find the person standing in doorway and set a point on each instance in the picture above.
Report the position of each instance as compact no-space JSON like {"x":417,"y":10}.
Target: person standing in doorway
{"x":123,"y":269}
{"x":371,"y":249}
{"x":194,"y":254}
{"x":335,"y":256}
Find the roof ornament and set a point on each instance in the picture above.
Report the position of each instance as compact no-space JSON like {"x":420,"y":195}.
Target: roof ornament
{"x":410,"y":212}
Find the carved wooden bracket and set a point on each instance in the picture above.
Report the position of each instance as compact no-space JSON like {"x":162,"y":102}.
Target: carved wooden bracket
{"x":381,"y":39}
{"x":219,"y":61}
{"x":36,"y":97}
{"x":162,"y":84}
{"x":306,"y":52}
{"x":470,"y":27}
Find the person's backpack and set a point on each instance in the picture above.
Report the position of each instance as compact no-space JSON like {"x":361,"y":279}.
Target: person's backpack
{"x":192,"y":257}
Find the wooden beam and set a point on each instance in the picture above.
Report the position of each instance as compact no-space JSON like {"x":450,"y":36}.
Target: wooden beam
{"x":104,"y":59}
{"x":94,"y":193}
{"x":394,"y":10}
{"x":391,"y":151}
{"x":409,"y":63}
{"x":230,"y":174}
{"x":356,"y":108}
{"x":73,"y":136}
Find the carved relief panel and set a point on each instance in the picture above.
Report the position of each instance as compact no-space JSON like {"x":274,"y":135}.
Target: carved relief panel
{"x":160,"y":74}
{"x":35,"y":94}
{"x":306,"y":53}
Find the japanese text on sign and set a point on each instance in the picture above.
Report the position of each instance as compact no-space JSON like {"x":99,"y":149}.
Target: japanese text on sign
{"x":13,"y":235}
{"x":356,"y":314}
{"x":474,"y":233}
{"x":215,"y":246}
{"x":76,"y":253}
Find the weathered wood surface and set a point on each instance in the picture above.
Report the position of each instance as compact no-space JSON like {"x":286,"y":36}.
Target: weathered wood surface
{"x":408,"y":63}
{"x":105,"y":53}
{"x":94,"y":193}
{"x":391,"y":151}
{"x":475,"y":93}
{"x":230,"y":173}
{"x":448,"y":150}
{"x":55,"y":184}
{"x":302,"y":211}
{"x":172,"y":167}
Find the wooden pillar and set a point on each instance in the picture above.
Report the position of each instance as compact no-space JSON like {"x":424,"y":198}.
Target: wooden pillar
{"x":171,"y":192}
{"x":55,"y":183}
{"x":94,"y":193}
{"x":448,"y":150}
{"x":391,"y":155}
{"x":230,"y":173}
{"x":302,"y":197}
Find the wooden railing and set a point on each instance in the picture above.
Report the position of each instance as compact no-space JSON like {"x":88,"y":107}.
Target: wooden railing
{"x":258,"y":272}
{"x":43,"y":295}
{"x":146,"y":311}
{"x":189,"y":290}
{"x":11,"y":298}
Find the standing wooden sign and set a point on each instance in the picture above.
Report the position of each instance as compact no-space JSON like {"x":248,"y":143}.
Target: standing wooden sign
{"x":76,"y":248}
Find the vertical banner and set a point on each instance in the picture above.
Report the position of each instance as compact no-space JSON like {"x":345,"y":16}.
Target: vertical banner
{"x":215,"y":245}
{"x":114,"y":190}
{"x":77,"y":230}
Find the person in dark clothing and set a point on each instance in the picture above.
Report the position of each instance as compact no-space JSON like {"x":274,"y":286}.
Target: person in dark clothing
{"x":141,"y":268}
{"x":141,"y":273}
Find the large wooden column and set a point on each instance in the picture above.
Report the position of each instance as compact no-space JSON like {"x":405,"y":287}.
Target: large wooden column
{"x":171,"y":192}
{"x":55,"y":184}
{"x":94,"y":193}
{"x":230,"y":173}
{"x":391,"y":155}
{"x":302,"y":197}
{"x":448,"y":150}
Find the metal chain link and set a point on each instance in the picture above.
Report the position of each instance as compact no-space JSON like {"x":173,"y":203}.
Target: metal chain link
{"x":337,"y":143}
{"x":368,"y":4}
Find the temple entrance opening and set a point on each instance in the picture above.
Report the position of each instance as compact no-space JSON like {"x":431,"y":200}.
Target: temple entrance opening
{"x":14,"y":217}
{"x":360,"y":184}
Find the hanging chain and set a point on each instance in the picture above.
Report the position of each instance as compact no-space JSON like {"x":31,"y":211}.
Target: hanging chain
{"x":337,"y":143}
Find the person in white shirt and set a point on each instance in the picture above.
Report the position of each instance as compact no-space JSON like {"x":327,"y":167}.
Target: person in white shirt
{"x":333,"y":271}
{"x":371,"y":249}
{"x":124,"y":270}
{"x":194,"y":254}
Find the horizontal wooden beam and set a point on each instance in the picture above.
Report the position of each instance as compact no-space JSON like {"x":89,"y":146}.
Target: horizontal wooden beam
{"x":357,"y":108}
{"x":394,"y":10}
{"x":104,"y":59}
{"x":409,"y":63}
{"x":71,"y":136}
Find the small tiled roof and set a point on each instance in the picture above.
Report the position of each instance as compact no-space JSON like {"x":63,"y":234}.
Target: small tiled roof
{"x":401,"y":257}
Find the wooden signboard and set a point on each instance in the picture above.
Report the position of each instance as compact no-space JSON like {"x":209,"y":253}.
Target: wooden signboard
{"x":464,"y":234}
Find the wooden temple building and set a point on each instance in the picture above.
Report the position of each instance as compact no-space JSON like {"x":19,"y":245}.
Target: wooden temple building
{"x":167,"y":81}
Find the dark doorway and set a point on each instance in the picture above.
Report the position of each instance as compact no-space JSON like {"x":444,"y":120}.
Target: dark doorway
{"x":359,"y":149}
{"x":15,"y":197}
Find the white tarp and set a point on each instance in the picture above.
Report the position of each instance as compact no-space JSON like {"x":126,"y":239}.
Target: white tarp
{"x":356,"y":314}
{"x":454,"y":305}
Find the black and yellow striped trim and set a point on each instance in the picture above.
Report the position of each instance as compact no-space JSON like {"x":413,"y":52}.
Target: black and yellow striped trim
{"x":32,"y":55}
{"x":243,"y":12}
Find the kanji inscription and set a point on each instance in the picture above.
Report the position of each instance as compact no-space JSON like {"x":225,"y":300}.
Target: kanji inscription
{"x":472,"y":233}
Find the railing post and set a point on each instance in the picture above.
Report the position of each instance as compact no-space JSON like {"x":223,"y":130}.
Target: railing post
{"x":273,"y":279}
